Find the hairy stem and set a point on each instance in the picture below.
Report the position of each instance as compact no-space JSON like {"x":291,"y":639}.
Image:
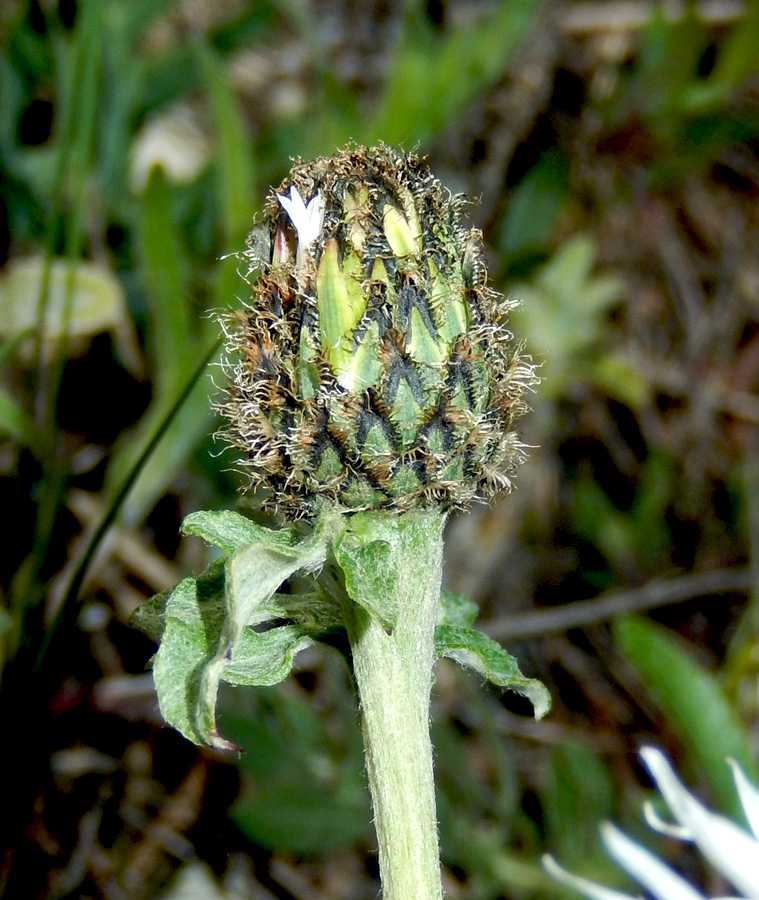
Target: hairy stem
{"x":393,"y":670}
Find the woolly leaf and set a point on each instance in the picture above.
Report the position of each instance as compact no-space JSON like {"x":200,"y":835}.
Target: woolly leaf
{"x":203,"y":624}
{"x":367,"y":554}
{"x":266,"y":659}
{"x":191,"y":630}
{"x":150,"y":616}
{"x":252,"y":576}
{"x":231,"y":532}
{"x":475,"y":650}
{"x":456,"y":609}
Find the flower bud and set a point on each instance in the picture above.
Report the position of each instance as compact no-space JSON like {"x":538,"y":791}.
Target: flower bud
{"x":372,"y":367}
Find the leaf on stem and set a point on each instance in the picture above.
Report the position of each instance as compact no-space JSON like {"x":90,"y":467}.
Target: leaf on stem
{"x":456,"y":609}
{"x":231,"y":532}
{"x":477,"y":651}
{"x":367,"y":553}
{"x":266,"y":659}
{"x":204,"y":623}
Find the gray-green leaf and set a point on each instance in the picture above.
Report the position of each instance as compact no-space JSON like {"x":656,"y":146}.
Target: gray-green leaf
{"x":456,"y":609}
{"x":231,"y":532}
{"x":204,"y":623}
{"x":378,"y":556}
{"x":252,"y":575}
{"x":266,"y":659}
{"x":477,"y":651}
{"x":367,"y":555}
{"x":190,"y":634}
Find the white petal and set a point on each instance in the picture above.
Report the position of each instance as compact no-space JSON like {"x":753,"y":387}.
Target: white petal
{"x":728,"y":848}
{"x":315,"y":210}
{"x":295,"y":208}
{"x":306,"y":218}
{"x":749,"y":796}
{"x":646,"y":868}
{"x":589,"y":888}
{"x":655,"y":821}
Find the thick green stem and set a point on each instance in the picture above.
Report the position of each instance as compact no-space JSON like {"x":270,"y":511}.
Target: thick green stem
{"x":393,"y":669}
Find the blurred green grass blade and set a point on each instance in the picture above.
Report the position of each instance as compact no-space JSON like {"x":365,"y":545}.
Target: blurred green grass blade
{"x":743,"y":649}
{"x":11,"y":100}
{"x":79,"y":71}
{"x":191,"y":424}
{"x":533,"y":210}
{"x":235,"y":175}
{"x":176,"y":331}
{"x":669,"y":59}
{"x":121,"y":100}
{"x":306,"y":767}
{"x":165,"y":268}
{"x":67,"y":608}
{"x":334,"y":115}
{"x":735,"y":63}
{"x":10,"y":346}
{"x":737,"y":54}
{"x":692,"y":701}
{"x":466,"y":792}
{"x":169,"y":77}
{"x":77,"y":82}
{"x":234,"y":171}
{"x":134,"y":18}
{"x":301,"y":817}
{"x":495,"y":868}
{"x":5,"y":624}
{"x":431,"y":79}
{"x":578,"y":795}
{"x":339,"y":117}
{"x":17,"y":424}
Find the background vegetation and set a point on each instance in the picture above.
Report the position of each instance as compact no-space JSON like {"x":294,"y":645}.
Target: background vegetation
{"x":614,"y":150}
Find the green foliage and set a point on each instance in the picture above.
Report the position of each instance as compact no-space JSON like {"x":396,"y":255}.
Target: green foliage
{"x":634,"y":536}
{"x":432,"y":79}
{"x":693,"y":702}
{"x":563,"y":318}
{"x":178,"y":335}
{"x":5,"y":621}
{"x":304,"y":787}
{"x":689,"y":112}
{"x":234,"y":167}
{"x":206,"y":625}
{"x":474,"y":650}
{"x":16,"y":423}
{"x":528,"y":226}
{"x":578,"y":795}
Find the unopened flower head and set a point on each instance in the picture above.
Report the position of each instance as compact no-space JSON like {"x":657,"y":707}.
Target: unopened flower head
{"x":372,"y":367}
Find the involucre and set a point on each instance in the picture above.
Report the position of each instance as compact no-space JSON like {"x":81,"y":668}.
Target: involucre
{"x":372,"y":367}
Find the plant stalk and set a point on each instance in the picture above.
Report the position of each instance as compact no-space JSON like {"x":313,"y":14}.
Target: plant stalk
{"x":393,"y":671}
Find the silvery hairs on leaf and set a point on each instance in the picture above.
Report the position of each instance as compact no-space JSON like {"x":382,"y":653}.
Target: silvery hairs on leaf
{"x":206,"y":625}
{"x":227,"y":623}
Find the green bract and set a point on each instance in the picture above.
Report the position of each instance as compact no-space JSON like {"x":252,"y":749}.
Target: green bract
{"x":372,"y":367}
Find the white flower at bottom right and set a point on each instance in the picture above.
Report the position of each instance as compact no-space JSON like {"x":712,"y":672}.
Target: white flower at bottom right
{"x":731,"y":850}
